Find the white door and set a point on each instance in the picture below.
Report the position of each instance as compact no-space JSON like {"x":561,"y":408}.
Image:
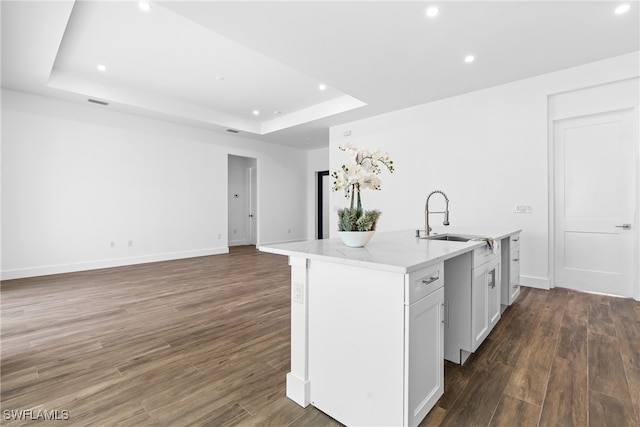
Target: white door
{"x":594,"y":199}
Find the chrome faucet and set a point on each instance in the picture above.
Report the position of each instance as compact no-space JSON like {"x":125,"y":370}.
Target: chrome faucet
{"x":427,"y":229}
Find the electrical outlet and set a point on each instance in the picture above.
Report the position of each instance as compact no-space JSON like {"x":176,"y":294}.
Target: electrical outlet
{"x":523,"y":209}
{"x":219,"y":236}
{"x":130,"y":243}
{"x":298,"y":293}
{"x":112,"y":244}
{"x":289,"y":231}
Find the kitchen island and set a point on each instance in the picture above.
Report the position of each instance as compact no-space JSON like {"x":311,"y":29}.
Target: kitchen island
{"x":369,"y":326}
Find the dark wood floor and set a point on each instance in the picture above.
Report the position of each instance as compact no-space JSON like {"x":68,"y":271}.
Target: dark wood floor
{"x":205,"y":341}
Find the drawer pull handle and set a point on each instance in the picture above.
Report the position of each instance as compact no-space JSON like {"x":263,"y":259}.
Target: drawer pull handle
{"x":516,"y":240}
{"x":516,"y":259}
{"x":430,"y":280}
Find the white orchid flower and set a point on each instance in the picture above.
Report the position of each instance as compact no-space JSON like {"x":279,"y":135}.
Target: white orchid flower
{"x":363,"y":173}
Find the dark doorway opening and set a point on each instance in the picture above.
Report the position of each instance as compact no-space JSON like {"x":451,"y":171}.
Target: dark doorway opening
{"x":322,"y":205}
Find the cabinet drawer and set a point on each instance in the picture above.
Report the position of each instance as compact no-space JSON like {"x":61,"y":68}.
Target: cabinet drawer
{"x":514,"y":262}
{"x":421,"y":283}
{"x":514,"y":282}
{"x":514,"y":271}
{"x":514,"y":240}
{"x":484,"y":254}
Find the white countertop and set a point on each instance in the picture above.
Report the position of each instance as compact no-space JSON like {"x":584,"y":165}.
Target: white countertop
{"x":393,"y":251}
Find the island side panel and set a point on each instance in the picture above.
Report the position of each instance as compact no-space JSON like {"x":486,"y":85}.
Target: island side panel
{"x":298,"y":378}
{"x":356,"y":343}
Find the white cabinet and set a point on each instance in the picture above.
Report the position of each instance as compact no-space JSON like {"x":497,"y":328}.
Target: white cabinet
{"x":425,"y":356}
{"x":472,"y":296}
{"x":510,"y":269}
{"x":485,"y":297}
{"x":514,"y":267}
{"x":493,"y":285}
{"x":375,"y":343}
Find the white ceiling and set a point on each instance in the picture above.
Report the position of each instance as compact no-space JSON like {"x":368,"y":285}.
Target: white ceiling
{"x":212,"y":63}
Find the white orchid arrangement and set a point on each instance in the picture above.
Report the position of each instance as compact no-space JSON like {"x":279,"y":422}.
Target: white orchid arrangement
{"x":354,"y":178}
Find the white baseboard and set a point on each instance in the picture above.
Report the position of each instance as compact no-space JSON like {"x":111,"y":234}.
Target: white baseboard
{"x":298,"y":389}
{"x":108,"y":263}
{"x":535,"y":282}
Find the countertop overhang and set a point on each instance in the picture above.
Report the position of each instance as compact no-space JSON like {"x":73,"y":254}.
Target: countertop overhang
{"x":392,"y":251}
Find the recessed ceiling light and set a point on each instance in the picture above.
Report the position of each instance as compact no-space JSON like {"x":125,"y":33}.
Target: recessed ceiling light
{"x":101,"y":67}
{"x":469,"y":58}
{"x":219,"y":78}
{"x":432,"y":11}
{"x":276,"y":112}
{"x":623,"y":8}
{"x":143,"y":5}
{"x":256,"y":112}
{"x":322,"y":86}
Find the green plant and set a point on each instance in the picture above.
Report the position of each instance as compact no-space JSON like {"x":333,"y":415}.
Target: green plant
{"x":350,"y":219}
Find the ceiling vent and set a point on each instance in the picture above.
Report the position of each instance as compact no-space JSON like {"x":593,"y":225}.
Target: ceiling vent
{"x":95,"y":101}
{"x":233,"y":130}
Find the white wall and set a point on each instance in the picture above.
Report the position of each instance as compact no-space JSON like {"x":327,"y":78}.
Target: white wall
{"x":77,"y":177}
{"x":487,"y":150}
{"x":318,"y":160}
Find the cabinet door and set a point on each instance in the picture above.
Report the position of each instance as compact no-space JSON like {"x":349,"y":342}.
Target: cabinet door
{"x":485,"y":290}
{"x":479,"y":306}
{"x":424,"y":367}
{"x":493,"y":287}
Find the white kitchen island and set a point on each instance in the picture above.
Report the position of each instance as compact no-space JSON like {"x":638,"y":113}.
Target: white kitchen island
{"x":368,"y":325}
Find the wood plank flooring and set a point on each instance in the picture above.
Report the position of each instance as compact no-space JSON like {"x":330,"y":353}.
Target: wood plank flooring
{"x":205,"y":341}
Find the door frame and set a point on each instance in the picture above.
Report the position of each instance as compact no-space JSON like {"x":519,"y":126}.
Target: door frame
{"x":554,"y":116}
{"x":252,"y":201}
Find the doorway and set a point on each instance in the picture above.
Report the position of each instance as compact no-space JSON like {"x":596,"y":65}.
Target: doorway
{"x":322,"y":205}
{"x":242,"y":197}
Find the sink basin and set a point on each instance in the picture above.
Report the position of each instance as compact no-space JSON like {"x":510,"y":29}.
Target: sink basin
{"x":450,"y":237}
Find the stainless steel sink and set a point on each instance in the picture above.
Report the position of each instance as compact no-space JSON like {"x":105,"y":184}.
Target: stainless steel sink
{"x":450,"y":237}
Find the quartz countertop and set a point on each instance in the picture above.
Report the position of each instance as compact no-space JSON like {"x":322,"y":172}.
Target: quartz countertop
{"x":393,"y":251}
